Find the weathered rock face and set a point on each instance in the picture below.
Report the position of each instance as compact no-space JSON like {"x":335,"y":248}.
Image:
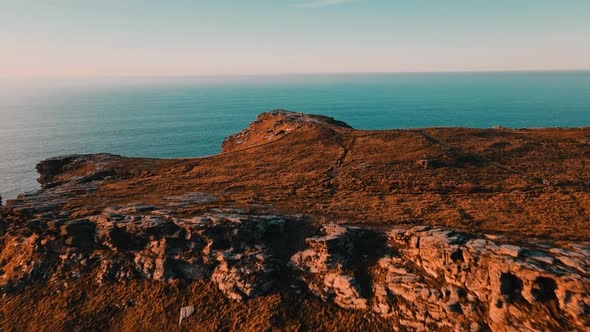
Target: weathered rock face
{"x":422,"y":278}
{"x":90,"y":167}
{"x":271,"y":126}
{"x":139,"y":241}
{"x":333,"y":260}
{"x":429,"y":278}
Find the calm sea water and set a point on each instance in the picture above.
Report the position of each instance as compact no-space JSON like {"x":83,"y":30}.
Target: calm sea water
{"x":190,"y":117}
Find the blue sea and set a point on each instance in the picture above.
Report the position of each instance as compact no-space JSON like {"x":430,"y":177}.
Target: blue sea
{"x":186,"y":117}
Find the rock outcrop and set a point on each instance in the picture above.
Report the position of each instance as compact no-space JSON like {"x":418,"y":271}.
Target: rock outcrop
{"x":81,"y":168}
{"x":271,"y":126}
{"x":236,"y":251}
{"x":432,"y":278}
{"x":421,"y":277}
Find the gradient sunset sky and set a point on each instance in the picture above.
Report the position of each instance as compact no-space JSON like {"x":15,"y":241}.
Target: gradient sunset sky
{"x":240,"y":37}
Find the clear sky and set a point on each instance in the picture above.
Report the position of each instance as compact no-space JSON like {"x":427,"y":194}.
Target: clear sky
{"x":220,"y":37}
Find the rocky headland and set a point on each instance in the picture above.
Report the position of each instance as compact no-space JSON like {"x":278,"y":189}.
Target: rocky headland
{"x":304,"y":223}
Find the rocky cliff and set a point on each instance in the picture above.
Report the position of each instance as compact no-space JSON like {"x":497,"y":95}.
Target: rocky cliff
{"x":277,"y":214}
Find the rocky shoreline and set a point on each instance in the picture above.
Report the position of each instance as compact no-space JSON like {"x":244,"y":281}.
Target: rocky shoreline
{"x":416,"y":277}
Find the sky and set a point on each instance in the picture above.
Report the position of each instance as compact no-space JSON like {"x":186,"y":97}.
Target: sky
{"x":88,"y":38}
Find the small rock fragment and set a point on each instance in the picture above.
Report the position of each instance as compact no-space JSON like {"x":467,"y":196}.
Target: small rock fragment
{"x":185,"y":312}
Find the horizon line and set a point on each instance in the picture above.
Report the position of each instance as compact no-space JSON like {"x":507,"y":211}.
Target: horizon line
{"x":335,"y":73}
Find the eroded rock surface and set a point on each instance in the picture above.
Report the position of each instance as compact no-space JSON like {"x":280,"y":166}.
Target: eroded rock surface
{"x":236,"y":251}
{"x":432,"y":278}
{"x":86,"y":167}
{"x":421,"y":277}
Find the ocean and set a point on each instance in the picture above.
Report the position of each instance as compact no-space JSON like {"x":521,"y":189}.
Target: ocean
{"x":188,"y":117}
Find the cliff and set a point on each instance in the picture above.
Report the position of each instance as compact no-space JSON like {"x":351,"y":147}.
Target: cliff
{"x":305,"y":223}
